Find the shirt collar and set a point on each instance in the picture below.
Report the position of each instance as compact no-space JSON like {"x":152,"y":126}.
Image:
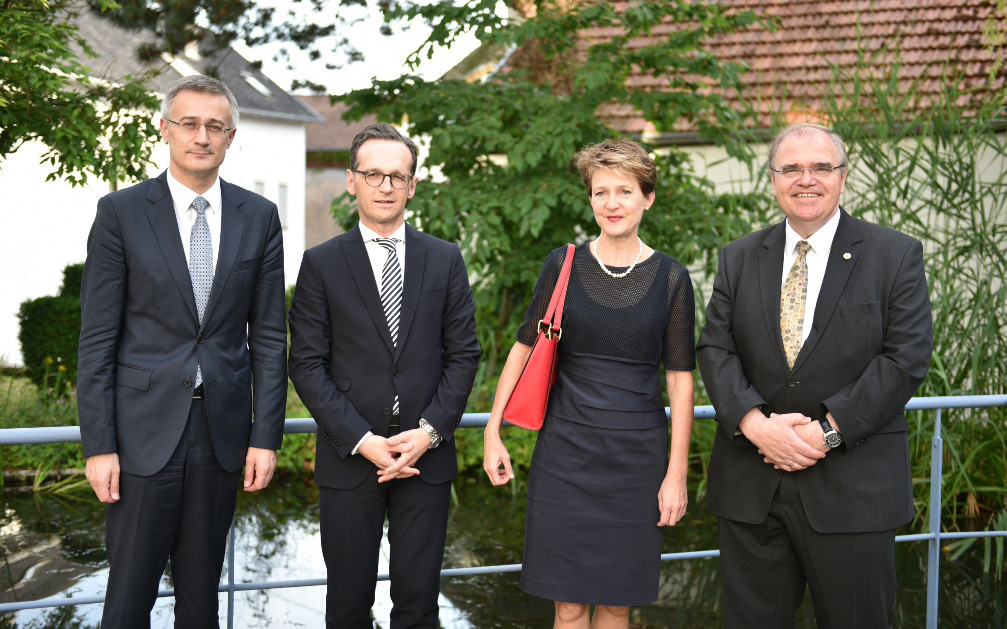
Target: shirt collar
{"x":820,"y":241}
{"x":369,"y":234}
{"x":183,"y":196}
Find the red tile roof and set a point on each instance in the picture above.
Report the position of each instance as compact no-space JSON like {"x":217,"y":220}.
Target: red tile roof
{"x":335,"y":134}
{"x":789,"y":68}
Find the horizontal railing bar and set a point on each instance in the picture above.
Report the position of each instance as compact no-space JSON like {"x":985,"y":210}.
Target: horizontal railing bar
{"x":65,"y":434}
{"x":62,"y":434}
{"x":447,"y":572}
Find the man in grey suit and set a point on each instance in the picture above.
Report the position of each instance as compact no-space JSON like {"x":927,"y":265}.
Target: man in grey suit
{"x":383,"y":352}
{"x":182,"y":325}
{"x":818,"y":332}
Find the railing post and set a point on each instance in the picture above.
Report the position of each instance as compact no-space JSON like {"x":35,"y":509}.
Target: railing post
{"x":934,"y":544}
{"x":230,"y":577}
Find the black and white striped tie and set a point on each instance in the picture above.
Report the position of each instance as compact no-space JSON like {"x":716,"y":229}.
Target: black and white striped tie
{"x":391,"y":293}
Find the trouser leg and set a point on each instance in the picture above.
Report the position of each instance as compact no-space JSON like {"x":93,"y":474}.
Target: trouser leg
{"x":763,"y":582}
{"x":351,"y":527}
{"x":206,"y":511}
{"x":139,"y":530}
{"x":417,"y":527}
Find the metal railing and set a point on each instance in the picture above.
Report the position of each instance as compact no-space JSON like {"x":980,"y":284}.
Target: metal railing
{"x":934,"y":535}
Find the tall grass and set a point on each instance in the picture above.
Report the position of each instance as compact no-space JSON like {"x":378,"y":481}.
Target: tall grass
{"x":935,"y":166}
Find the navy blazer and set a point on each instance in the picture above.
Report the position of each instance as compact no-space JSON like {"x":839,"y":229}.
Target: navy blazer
{"x":346,"y":370}
{"x":140,"y":336}
{"x":867,"y":353}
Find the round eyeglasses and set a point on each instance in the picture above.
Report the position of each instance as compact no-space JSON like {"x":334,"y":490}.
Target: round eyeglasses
{"x":192,"y":128}
{"x":375,"y":179}
{"x":819,"y":171}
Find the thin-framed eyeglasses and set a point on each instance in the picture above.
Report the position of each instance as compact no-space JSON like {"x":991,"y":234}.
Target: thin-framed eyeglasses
{"x":819,"y":171}
{"x":375,"y":179}
{"x":192,"y":128}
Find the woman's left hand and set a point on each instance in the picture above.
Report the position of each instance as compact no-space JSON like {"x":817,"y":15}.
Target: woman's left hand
{"x":672,"y":500}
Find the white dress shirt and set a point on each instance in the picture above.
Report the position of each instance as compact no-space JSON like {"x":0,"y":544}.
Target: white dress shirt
{"x":817,"y":258}
{"x":183,"y":197}
{"x":377,"y":254}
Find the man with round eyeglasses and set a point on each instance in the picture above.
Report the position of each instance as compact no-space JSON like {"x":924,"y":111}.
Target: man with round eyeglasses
{"x":383,"y":353}
{"x":818,"y":332}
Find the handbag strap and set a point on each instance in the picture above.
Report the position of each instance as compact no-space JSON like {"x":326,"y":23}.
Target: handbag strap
{"x":554,"y":314}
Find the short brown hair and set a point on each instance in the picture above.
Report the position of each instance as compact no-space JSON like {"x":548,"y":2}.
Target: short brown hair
{"x":622,"y":156}
{"x":381,"y":131}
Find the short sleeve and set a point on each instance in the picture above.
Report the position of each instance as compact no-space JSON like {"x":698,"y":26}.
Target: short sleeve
{"x":680,"y":335}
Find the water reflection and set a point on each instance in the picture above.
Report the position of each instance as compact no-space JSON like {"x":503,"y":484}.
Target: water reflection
{"x":53,"y":546}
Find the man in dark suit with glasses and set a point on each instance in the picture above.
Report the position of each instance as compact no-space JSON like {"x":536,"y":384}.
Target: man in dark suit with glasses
{"x":383,"y":353}
{"x":818,"y":332}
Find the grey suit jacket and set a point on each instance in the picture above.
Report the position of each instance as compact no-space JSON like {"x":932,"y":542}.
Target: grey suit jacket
{"x":346,"y":370}
{"x":141,"y":339}
{"x":868,"y":351}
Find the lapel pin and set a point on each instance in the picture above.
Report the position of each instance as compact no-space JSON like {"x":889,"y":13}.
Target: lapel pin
{"x":847,"y":256}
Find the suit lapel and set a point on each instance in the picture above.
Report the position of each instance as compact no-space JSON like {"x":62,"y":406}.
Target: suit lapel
{"x":837,"y":273}
{"x":232,"y":228}
{"x":770,"y":276}
{"x":360,"y":269}
{"x":411,"y":283}
{"x":161,"y":214}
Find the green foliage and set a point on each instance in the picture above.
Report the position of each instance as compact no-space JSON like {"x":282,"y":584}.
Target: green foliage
{"x":23,"y":406}
{"x":92,"y":126}
{"x":509,"y":191}
{"x":49,"y":334}
{"x":942,"y":178}
{"x":72,"y":275}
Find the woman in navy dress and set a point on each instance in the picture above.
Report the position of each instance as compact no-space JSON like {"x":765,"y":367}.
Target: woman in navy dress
{"x":603,"y":480}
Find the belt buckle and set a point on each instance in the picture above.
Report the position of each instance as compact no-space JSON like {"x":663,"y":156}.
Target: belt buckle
{"x":197,"y":393}
{"x":394,"y":422}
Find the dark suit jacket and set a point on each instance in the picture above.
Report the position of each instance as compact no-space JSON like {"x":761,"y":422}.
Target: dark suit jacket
{"x":342,"y":361}
{"x":140,"y":335}
{"x":868,"y":351}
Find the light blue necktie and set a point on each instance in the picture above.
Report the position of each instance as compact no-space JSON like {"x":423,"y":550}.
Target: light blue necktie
{"x":200,"y":264}
{"x":391,"y":293}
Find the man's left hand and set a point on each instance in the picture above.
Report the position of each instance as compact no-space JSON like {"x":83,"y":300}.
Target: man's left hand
{"x":259,"y":467}
{"x":412,"y":444}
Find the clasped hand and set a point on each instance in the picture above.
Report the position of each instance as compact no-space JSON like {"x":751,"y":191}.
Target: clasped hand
{"x":789,"y":442}
{"x":396,"y":456}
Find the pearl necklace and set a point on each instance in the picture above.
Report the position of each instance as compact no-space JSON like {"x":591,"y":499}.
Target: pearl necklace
{"x":639,"y":254}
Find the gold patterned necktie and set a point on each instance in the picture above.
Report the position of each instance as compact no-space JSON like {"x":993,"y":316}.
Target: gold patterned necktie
{"x":792,"y":301}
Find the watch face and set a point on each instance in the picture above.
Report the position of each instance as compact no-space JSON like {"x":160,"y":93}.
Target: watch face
{"x":833,"y":440}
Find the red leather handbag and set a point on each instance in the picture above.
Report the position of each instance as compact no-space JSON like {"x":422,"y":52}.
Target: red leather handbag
{"x":528,"y":401}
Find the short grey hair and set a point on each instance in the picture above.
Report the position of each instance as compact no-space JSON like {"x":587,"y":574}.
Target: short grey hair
{"x":204,"y":85}
{"x":381,"y":131}
{"x":805,"y":128}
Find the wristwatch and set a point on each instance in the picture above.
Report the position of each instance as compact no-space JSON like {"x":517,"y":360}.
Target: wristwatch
{"x":832,"y":438}
{"x":435,"y":437}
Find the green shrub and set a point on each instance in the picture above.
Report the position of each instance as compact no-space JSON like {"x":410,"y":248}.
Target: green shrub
{"x":72,"y":275}
{"x":49,"y":333}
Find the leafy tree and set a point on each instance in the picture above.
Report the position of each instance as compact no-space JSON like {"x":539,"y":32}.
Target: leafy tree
{"x":510,"y":192}
{"x":91,"y":126}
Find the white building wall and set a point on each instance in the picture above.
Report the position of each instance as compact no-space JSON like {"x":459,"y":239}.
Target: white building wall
{"x":45,"y":224}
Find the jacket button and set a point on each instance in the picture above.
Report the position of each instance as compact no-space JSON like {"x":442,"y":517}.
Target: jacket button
{"x":793,"y":383}
{"x":388,"y":411}
{"x":200,"y":338}
{"x":397,"y":372}
{"x":187,"y":383}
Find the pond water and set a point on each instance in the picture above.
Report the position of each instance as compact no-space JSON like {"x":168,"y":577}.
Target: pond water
{"x":54,"y":546}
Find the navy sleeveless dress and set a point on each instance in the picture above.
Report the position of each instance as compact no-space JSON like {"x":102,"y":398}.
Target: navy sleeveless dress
{"x":601,"y":456}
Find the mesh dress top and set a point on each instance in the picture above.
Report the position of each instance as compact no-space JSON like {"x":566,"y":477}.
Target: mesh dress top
{"x":592,"y":534}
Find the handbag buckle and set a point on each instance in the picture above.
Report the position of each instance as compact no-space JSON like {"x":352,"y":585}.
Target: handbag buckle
{"x":549,"y":331}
